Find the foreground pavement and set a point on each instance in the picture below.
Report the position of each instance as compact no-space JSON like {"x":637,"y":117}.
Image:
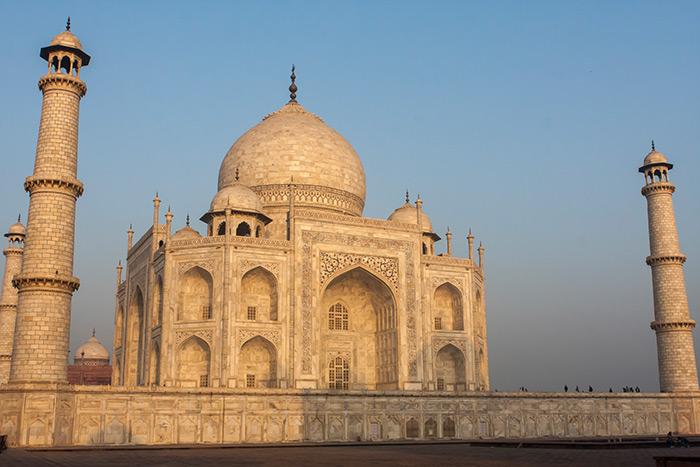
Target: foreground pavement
{"x":379,"y":455}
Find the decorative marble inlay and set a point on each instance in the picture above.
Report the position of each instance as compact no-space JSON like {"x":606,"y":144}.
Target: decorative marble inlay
{"x":385,"y":267}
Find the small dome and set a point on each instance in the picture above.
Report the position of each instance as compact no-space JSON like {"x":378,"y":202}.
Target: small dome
{"x":238,"y":197}
{"x":406,"y":214}
{"x":185,"y":233}
{"x":67,"y":39}
{"x":655,"y":157}
{"x":16,"y":229}
{"x":92,"y":350}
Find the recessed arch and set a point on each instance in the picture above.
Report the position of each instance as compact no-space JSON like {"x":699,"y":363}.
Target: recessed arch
{"x":134,"y":344}
{"x":257,"y":367}
{"x":65,"y":65}
{"x":195,"y":295}
{"x":157,"y":313}
{"x":372,"y":326}
{"x":155,"y":364}
{"x":259,"y":295}
{"x":450,"y":370}
{"x":447,"y":308}
{"x":193,"y":363}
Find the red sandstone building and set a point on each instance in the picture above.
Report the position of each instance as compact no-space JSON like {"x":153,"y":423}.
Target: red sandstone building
{"x":91,"y":364}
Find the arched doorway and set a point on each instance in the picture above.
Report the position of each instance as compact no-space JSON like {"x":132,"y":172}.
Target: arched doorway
{"x":450,"y":371}
{"x":359,"y":313}
{"x":195,"y":298}
{"x":134,"y":344}
{"x":193,"y":363}
{"x":257,"y":366}
{"x":259,"y":295}
{"x":447,"y":308}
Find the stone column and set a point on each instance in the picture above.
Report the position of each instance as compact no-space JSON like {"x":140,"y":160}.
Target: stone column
{"x":672,"y":322}
{"x":8,"y":300}
{"x":46,"y":283}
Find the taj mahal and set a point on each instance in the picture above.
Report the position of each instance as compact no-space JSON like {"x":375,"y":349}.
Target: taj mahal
{"x":290,"y":316}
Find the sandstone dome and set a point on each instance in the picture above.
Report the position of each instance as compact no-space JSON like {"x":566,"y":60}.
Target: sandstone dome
{"x":407,"y":214}
{"x":293,"y":145}
{"x":238,"y":197}
{"x":92,"y":350}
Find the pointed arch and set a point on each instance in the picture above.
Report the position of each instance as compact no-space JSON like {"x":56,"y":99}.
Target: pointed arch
{"x":447,"y":308}
{"x":450,"y":370}
{"x":372,"y":325}
{"x":482,"y":369}
{"x":243,"y":230}
{"x":257,"y":367}
{"x":155,"y":364}
{"x":134,"y":344}
{"x":259,"y":295}
{"x":193,"y":363}
{"x":118,"y":327}
{"x":65,"y":65}
{"x":195,"y":296}
{"x":157,"y":313}
{"x":221,"y":230}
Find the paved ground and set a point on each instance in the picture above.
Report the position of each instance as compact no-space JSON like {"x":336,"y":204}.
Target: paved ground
{"x":416,"y":455}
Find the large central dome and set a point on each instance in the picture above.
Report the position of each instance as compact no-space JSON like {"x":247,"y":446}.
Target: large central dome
{"x":295,"y":146}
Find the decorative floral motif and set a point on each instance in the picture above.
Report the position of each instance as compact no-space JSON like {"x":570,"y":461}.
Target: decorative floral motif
{"x":247,"y":265}
{"x":383,"y":266}
{"x":272,"y":335}
{"x":206,"y":264}
{"x":440,"y":343}
{"x":204,"y":334}
{"x":456,"y":281}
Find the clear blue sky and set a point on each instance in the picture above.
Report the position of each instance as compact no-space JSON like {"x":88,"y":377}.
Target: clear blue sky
{"x":526,"y":121}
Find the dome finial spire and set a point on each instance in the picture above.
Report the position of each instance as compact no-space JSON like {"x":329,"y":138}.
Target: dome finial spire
{"x":19,"y":218}
{"x":293,"y":86}
{"x":408,"y":200}
{"x":187,"y":221}
{"x":93,"y":332}
{"x":68,"y":24}
{"x":237,"y":174}
{"x":653,"y":147}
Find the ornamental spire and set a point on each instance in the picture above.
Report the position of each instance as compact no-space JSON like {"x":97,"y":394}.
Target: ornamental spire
{"x":408,"y":200}
{"x":653,"y":147}
{"x":293,"y":87}
{"x":187,"y":221}
{"x":68,"y":24}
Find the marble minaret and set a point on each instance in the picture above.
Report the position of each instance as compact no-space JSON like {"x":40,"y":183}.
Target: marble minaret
{"x":672,"y":322}
{"x":8,"y":299}
{"x":46,"y":284}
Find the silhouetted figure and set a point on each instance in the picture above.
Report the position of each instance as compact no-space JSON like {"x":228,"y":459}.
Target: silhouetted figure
{"x":637,"y":389}
{"x":610,"y":390}
{"x":577,"y":389}
{"x":566,"y":388}
{"x":590,"y":388}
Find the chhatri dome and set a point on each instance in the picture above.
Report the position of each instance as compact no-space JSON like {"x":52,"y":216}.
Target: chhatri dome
{"x":655,"y":157}
{"x":16,"y":229}
{"x":293,"y":145}
{"x":408,"y":214}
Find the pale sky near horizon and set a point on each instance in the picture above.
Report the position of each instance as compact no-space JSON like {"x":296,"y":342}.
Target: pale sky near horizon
{"x":525,"y":121}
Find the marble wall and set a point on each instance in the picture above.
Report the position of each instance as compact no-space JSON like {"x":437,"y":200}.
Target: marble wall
{"x":81,"y":415}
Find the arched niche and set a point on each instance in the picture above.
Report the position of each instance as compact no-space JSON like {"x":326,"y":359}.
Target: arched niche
{"x":118,"y":327}
{"x":371,"y":327}
{"x":259,"y":295}
{"x":134,"y":344}
{"x":157,"y":313}
{"x":221,"y":230}
{"x":447,"y":308}
{"x":155,"y":364}
{"x":117,"y":373}
{"x":257,"y":366}
{"x":479,"y":317}
{"x":195,"y":295}
{"x":482,"y":370}
{"x":450,"y":371}
{"x":193,"y":363}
